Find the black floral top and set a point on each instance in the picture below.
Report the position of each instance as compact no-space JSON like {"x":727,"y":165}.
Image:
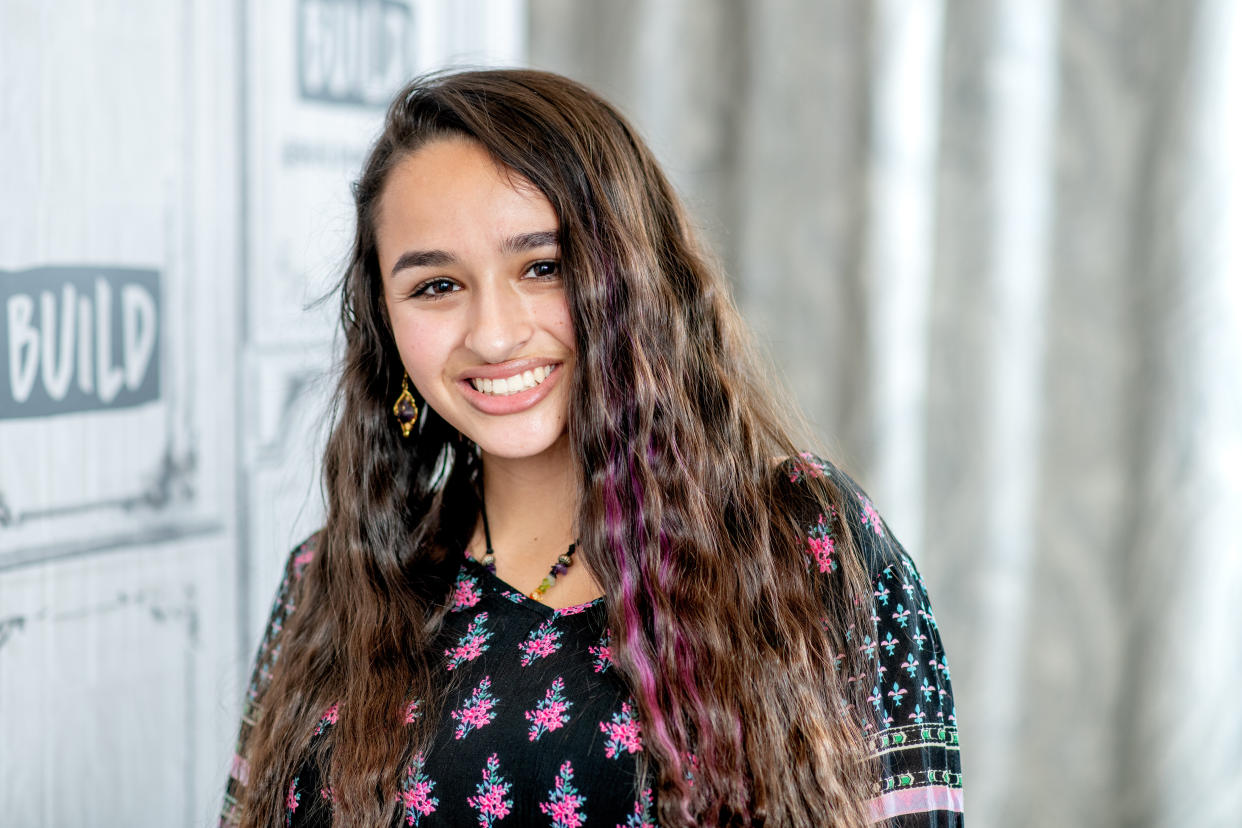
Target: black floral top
{"x":537,"y":729}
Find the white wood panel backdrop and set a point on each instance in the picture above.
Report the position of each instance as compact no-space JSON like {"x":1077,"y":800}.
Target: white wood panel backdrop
{"x":212,"y":143}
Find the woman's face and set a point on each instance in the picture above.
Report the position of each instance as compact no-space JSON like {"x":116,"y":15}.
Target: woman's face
{"x":471,"y":271}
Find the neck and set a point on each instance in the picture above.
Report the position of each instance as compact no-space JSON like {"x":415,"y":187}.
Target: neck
{"x":531,"y":501}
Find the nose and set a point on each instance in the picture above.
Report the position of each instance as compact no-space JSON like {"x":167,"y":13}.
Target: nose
{"x":500,"y":324}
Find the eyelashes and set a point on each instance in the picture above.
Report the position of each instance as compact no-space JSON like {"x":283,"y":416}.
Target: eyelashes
{"x":426,"y":288}
{"x":544,"y":270}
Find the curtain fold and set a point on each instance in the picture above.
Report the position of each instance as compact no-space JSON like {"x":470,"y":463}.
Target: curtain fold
{"x":994,"y":249}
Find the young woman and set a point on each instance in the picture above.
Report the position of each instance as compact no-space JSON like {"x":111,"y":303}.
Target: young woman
{"x":575,"y":569}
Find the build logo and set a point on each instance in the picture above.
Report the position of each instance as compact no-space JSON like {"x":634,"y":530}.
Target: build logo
{"x":78,"y":339}
{"x":353,"y":51}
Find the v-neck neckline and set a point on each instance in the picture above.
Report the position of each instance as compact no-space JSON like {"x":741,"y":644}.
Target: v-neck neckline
{"x":507,"y":591}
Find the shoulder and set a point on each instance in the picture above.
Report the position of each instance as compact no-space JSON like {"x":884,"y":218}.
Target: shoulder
{"x":296,"y":564}
{"x":283,"y":604}
{"x":900,"y":603}
{"x":301,"y":556}
{"x":848,"y":509}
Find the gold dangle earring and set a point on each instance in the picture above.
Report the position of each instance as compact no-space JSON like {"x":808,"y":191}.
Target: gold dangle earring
{"x":405,"y":409}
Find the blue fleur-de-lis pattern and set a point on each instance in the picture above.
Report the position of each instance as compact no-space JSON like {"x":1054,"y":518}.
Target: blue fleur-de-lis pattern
{"x":536,"y":729}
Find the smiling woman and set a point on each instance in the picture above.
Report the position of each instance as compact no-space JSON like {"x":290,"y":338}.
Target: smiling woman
{"x":473,"y":292}
{"x":579,"y":573}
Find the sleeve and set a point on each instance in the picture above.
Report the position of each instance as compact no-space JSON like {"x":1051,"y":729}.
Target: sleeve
{"x":260,"y":677}
{"x":916,"y":744}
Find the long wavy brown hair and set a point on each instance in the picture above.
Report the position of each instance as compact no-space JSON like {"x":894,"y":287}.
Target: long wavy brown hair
{"x":687,"y":519}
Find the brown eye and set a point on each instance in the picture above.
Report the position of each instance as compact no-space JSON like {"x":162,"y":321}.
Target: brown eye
{"x":547,"y":269}
{"x":435,"y":288}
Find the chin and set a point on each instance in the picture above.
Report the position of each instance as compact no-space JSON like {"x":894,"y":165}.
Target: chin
{"x":532,"y":446}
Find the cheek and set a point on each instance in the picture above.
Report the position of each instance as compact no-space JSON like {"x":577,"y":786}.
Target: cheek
{"x":560,"y":323}
{"x":423,"y":349}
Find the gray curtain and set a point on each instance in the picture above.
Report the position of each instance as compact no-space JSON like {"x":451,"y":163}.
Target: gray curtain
{"x":994,"y":249}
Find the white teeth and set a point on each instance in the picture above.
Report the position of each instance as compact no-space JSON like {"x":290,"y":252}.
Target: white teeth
{"x":514,"y":384}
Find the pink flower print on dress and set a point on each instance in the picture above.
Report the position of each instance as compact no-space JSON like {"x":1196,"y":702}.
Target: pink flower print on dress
{"x":564,"y":802}
{"x":549,"y":713}
{"x":542,"y":642}
{"x":466,"y":592}
{"x":820,"y":545}
{"x":870,"y":516}
{"x":808,"y":465}
{"x":624,"y":732}
{"x":602,"y":651}
{"x":489,"y":800}
{"x":301,"y":559}
{"x":291,"y":801}
{"x":412,"y":712}
{"x":415,"y":794}
{"x":471,"y":645}
{"x":574,"y":610}
{"x":641,"y":818}
{"x":330,"y":717}
{"x":477,"y":710}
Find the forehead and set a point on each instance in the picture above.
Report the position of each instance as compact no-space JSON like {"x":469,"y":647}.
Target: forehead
{"x":452,"y":190}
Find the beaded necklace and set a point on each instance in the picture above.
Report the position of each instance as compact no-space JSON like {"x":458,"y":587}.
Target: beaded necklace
{"x":559,"y":568}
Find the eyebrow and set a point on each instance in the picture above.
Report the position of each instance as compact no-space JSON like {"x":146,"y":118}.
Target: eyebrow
{"x":441,"y":258}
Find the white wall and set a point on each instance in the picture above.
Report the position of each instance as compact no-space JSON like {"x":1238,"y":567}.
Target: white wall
{"x":179,"y":172}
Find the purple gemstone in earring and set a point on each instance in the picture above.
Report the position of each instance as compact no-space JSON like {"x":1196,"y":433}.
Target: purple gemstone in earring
{"x":405,"y":409}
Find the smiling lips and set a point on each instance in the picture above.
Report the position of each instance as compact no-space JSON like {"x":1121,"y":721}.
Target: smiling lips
{"x":510,"y":394}
{"x":515,"y":384}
